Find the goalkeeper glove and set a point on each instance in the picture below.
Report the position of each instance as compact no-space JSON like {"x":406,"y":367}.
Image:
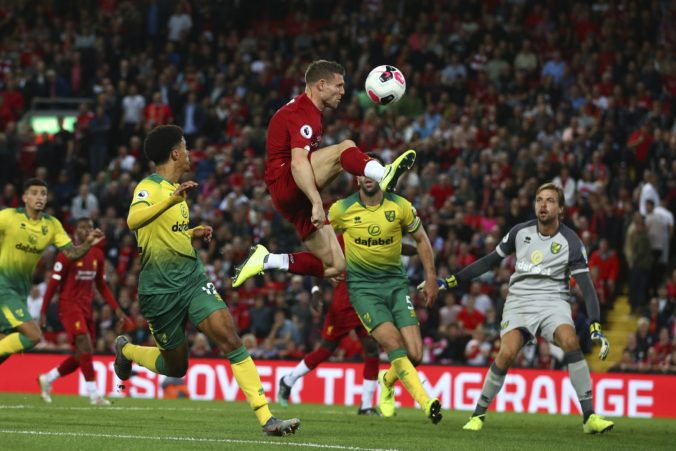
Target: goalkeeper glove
{"x":443,"y":284}
{"x":597,"y":335}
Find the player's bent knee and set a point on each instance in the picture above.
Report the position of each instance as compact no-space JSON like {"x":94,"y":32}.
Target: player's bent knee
{"x":339,"y":265}
{"x":346,"y":144}
{"x":570,"y":343}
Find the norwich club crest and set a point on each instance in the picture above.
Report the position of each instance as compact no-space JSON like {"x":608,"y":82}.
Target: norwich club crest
{"x":45,"y":230}
{"x":389,"y":215}
{"x":556,"y":247}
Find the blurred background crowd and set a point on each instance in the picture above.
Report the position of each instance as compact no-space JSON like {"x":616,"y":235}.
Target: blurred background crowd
{"x":502,"y":96}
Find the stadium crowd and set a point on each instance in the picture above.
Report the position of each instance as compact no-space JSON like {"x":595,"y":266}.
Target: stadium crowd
{"x":501,"y":96}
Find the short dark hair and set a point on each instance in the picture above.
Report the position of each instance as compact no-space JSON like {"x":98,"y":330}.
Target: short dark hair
{"x":322,"y":70}
{"x":34,"y":181}
{"x":161,"y":141}
{"x":560,"y":196}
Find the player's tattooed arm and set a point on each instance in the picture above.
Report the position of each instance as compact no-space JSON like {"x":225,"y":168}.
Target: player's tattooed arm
{"x":77,"y":252}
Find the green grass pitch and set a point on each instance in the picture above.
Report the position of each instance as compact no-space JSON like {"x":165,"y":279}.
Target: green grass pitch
{"x":70,"y":423}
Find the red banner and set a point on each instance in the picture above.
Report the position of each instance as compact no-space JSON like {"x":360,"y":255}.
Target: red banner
{"x":632,"y":395}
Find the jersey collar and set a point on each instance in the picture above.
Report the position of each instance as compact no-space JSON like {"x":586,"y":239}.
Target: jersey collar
{"x":160,"y":178}
{"x":382,"y":200}
{"x":304,"y":98}
{"x":23,"y":210}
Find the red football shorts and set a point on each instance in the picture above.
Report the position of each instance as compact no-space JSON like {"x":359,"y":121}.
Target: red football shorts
{"x":76,"y":323}
{"x":341,"y":317}
{"x":292,"y":202}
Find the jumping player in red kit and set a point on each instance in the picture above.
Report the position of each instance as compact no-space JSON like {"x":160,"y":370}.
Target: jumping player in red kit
{"x":297,"y":169}
{"x":75,"y":282}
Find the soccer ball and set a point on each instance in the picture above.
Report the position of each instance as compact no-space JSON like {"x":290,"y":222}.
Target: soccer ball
{"x":385,"y":84}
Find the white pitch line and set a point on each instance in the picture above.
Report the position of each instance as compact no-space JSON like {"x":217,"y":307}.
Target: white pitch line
{"x":186,"y":439}
{"x":101,"y":408}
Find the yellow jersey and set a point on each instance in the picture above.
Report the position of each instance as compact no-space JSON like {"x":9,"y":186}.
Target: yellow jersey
{"x":373,"y":235}
{"x":168,"y":259}
{"x":22,"y":242}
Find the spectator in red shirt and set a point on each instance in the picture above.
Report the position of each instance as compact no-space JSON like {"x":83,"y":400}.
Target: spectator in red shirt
{"x":640,"y":141}
{"x":608,"y":264}
{"x":157,"y":112}
{"x":441,"y":190}
{"x":469,"y":317}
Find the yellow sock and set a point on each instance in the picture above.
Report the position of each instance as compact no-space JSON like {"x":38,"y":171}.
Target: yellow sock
{"x":409,"y":377}
{"x":249,"y":382}
{"x":146,"y":356}
{"x":390,"y":377}
{"x":13,"y":343}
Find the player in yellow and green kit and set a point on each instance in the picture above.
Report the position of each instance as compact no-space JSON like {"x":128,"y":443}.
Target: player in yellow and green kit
{"x":372,"y":223}
{"x":24,"y":234}
{"x":172,"y":285}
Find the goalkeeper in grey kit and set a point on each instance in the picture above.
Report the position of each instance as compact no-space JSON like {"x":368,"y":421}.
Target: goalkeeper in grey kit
{"x":547,"y":254}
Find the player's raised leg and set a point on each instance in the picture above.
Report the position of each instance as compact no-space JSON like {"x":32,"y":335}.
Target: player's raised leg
{"x":323,"y":259}
{"x":328,"y":162}
{"x":566,"y":338}
{"x":220,"y":328}
{"x":510,"y":345}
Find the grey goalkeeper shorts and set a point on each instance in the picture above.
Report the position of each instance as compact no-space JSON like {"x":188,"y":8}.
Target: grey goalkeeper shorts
{"x":538,"y":318}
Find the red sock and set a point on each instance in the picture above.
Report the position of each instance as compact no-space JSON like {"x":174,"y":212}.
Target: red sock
{"x":371,"y":368}
{"x":316,"y":357}
{"x":306,"y":264}
{"x":86,"y":366}
{"x":68,"y":366}
{"x":354,"y":160}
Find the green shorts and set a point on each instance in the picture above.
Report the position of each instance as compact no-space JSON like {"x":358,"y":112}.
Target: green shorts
{"x":382,"y":302}
{"x":168,"y":313}
{"x":13,"y":311}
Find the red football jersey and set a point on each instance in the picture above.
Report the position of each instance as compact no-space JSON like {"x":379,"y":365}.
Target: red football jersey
{"x":75,"y":281}
{"x":296,"y":124}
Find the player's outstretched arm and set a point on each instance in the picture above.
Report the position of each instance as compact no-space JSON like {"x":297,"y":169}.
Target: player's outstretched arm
{"x":140,"y":214}
{"x":301,"y":169}
{"x":77,"y":252}
{"x":426,"y":254}
{"x":470,"y":272}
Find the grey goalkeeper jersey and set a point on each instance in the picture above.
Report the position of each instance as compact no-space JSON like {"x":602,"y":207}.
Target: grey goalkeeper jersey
{"x":543,"y":264}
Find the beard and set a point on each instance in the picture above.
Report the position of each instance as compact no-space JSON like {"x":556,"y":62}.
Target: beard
{"x":371,"y":192}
